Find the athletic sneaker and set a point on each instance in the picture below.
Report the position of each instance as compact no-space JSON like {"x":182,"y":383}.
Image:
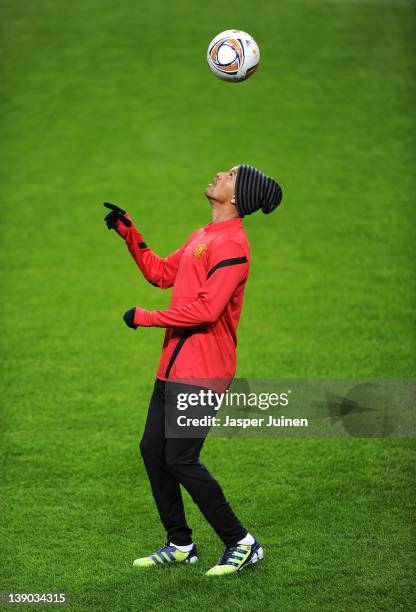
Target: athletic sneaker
{"x":236,"y":558}
{"x":167,"y":554}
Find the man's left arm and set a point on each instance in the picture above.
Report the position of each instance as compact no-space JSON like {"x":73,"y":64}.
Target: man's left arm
{"x":227,"y":268}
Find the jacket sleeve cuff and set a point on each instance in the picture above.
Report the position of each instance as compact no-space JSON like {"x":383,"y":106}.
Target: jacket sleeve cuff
{"x":121,"y":229}
{"x":143,"y":318}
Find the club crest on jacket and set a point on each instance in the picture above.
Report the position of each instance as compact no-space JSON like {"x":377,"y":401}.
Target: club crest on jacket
{"x":200,"y":250}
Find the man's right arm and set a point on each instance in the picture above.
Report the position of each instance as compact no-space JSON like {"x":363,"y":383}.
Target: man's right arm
{"x":159,"y":271}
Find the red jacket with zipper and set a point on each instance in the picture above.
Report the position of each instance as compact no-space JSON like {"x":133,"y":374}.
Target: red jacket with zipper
{"x":208,"y":275}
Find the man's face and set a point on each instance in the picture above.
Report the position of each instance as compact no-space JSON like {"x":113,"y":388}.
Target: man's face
{"x":222,"y":187}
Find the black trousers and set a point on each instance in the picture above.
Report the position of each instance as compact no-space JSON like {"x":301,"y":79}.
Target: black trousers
{"x":171,"y":462}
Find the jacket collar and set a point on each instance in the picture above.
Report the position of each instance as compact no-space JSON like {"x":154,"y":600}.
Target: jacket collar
{"x":220,"y":225}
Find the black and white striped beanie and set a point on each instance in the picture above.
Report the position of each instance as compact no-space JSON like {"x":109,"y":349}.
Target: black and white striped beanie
{"x":254,"y":190}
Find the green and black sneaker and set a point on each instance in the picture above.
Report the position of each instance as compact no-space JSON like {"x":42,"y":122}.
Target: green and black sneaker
{"x":236,"y":558}
{"x":167,"y":554}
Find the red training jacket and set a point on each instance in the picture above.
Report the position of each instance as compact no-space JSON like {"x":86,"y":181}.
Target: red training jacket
{"x":208,"y":275}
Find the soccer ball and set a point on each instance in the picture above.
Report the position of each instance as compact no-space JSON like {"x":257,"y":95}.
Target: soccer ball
{"x":233,"y":55}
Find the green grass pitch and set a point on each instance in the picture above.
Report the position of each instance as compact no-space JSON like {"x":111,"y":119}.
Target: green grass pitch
{"x":113,"y":101}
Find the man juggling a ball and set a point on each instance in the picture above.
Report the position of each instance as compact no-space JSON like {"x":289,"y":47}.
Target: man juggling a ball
{"x":207,"y":275}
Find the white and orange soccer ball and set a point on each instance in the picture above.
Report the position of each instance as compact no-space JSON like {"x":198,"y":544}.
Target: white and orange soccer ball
{"x":233,"y":55}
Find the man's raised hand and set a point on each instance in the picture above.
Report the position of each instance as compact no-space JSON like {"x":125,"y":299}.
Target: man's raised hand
{"x":116,"y":214}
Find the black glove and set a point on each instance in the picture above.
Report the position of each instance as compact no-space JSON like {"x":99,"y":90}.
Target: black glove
{"x":129,"y":318}
{"x":116,"y":214}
